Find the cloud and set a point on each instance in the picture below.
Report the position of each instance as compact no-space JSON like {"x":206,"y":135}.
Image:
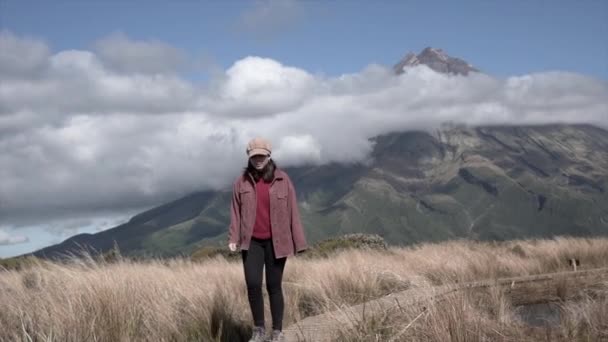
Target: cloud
{"x":268,"y":18}
{"x":77,"y":82}
{"x":257,"y":86}
{"x":22,"y":57}
{"x":122,"y":54}
{"x":86,"y":138}
{"x":6,"y":239}
{"x":68,"y":227}
{"x":85,"y":222}
{"x":117,"y":220}
{"x":293,"y":150}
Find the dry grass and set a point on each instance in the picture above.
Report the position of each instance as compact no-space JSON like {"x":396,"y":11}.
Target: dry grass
{"x":180,"y":300}
{"x":484,"y":315}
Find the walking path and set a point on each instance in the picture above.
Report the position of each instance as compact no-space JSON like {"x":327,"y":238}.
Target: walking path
{"x":521,"y":290}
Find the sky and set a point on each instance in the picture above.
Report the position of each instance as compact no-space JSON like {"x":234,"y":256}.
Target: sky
{"x":108,"y":108}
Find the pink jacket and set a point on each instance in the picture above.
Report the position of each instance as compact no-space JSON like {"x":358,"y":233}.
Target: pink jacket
{"x":287,"y":233}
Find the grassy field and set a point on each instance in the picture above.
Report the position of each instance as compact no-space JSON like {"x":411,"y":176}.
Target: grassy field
{"x":182,"y":300}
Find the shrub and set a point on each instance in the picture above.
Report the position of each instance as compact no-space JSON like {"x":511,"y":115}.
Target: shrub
{"x":18,"y":263}
{"x":208,"y":252}
{"x":349,"y":241}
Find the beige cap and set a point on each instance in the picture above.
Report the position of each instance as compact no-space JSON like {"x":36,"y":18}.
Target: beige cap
{"x":258,"y":146}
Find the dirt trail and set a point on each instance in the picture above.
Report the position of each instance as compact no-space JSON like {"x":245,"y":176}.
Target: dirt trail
{"x":521,"y":290}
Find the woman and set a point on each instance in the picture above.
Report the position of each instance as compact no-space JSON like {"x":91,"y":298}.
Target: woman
{"x":265,"y":225}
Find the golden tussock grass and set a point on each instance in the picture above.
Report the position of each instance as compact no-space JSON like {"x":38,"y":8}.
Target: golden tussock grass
{"x":181,"y":300}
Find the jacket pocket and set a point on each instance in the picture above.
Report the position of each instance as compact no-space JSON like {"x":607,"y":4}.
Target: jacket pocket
{"x":247,"y":199}
{"x":245,"y":193}
{"x":280,"y":208}
{"x":280,"y":190}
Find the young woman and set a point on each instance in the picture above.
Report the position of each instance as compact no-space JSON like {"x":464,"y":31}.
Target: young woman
{"x":265,"y":225}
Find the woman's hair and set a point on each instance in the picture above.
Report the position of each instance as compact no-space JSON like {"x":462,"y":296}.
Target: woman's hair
{"x":267,"y":172}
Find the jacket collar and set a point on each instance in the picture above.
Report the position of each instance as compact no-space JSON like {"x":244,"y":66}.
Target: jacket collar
{"x":278,"y":174}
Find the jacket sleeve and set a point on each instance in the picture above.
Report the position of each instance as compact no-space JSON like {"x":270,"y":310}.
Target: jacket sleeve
{"x":297,"y":231}
{"x":235,"y":216}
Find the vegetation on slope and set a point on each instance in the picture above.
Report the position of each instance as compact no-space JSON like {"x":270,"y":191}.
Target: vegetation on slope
{"x":180,"y":300}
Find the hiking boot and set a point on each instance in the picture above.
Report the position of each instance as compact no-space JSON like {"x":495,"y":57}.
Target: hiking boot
{"x":277,"y":336}
{"x":259,"y":335}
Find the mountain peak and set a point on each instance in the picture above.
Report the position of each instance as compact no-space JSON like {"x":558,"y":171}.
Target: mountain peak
{"x":437,"y":60}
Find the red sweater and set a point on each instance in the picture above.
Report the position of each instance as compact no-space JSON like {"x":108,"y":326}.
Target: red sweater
{"x":261,"y":228}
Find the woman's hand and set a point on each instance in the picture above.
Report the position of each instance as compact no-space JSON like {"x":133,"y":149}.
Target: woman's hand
{"x":232,"y":247}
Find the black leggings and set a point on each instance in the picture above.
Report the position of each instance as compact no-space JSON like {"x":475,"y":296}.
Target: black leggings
{"x":261,"y":253}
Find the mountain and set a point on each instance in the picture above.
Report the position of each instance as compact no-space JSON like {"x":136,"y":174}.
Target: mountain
{"x":437,"y":60}
{"x":487,"y":183}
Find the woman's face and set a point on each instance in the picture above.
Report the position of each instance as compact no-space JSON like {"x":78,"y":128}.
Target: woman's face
{"x":259,"y":161}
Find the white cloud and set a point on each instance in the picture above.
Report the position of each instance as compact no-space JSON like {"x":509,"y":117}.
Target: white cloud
{"x":21,"y":57}
{"x":85,"y":137}
{"x":86,"y":223}
{"x":77,"y":83}
{"x":301,"y":149}
{"x":68,"y":227}
{"x":6,"y":239}
{"x":257,"y":86}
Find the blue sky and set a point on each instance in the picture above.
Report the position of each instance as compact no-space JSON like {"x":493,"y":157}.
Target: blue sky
{"x":108,"y":108}
{"x":334,"y":37}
